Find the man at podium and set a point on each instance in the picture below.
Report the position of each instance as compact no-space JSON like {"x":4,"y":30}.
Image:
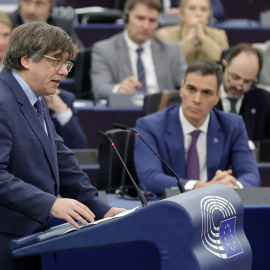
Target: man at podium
{"x":201,"y":144}
{"x":35,"y":166}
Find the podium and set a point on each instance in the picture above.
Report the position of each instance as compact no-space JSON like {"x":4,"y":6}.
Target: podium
{"x":200,"y":229}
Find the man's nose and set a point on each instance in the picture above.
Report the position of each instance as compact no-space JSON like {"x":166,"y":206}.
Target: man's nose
{"x":63,"y":70}
{"x":197,"y":97}
{"x":146,"y":24}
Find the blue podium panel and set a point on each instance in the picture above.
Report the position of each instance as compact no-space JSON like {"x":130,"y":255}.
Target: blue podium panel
{"x":201,"y":229}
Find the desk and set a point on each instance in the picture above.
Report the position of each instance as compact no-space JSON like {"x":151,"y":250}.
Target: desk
{"x":95,"y":118}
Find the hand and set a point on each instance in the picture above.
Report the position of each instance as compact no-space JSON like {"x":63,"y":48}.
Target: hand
{"x":191,"y":33}
{"x":56,"y":104}
{"x":129,"y":85}
{"x":114,"y":211}
{"x":221,"y":177}
{"x":201,"y":32}
{"x":69,"y":209}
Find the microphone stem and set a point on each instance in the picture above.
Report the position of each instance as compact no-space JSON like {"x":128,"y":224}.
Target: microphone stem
{"x":141,"y":195}
{"x":179,"y":183}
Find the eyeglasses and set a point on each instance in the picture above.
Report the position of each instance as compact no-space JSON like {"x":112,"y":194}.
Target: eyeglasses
{"x":58,"y":63}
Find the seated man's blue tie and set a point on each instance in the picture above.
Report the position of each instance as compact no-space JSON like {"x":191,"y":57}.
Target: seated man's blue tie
{"x":141,"y":72}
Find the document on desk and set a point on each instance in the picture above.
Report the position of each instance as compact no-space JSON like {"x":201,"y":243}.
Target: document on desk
{"x":104,"y":219}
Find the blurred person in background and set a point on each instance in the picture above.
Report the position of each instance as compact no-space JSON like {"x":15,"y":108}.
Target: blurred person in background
{"x":196,"y":39}
{"x":42,"y":11}
{"x":5,"y":33}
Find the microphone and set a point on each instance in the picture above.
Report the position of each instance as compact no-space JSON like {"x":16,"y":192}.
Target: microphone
{"x":179,"y":183}
{"x":141,"y":195}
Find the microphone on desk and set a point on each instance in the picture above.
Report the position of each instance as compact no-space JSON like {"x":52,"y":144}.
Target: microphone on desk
{"x":140,"y":194}
{"x":179,"y":183}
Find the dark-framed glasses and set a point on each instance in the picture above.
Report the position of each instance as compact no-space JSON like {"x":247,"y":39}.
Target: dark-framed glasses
{"x":58,"y":63}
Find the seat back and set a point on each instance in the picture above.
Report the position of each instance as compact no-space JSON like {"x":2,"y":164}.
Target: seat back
{"x":159,"y":101}
{"x":112,"y":173}
{"x":81,"y":75}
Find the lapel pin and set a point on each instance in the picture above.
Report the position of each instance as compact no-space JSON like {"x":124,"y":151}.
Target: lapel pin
{"x":253,"y":110}
{"x":215,"y":140}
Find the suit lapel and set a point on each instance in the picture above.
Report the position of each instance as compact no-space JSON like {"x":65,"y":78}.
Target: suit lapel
{"x":123,"y":56}
{"x":176,"y":149}
{"x":215,"y":142}
{"x":249,"y":113}
{"x":159,"y":59}
{"x":33,"y":121}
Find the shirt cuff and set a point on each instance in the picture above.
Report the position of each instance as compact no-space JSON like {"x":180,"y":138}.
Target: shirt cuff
{"x":64,"y":117}
{"x":115,"y":88}
{"x":240,"y":185}
{"x":190,"y":184}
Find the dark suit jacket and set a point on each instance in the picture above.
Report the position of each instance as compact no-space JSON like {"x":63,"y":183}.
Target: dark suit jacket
{"x":255,"y":111}
{"x":71,"y":132}
{"x":227,"y":147}
{"x":34,"y":167}
{"x":64,"y":21}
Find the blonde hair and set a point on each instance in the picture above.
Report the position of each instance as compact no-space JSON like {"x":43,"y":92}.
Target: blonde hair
{"x":182,"y":3}
{"x":4,"y":18}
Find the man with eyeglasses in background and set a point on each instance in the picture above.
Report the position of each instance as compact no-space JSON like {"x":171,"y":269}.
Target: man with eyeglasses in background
{"x":241,"y":95}
{"x":35,"y":165}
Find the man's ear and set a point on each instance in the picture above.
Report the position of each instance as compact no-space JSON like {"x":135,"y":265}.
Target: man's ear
{"x":26,"y":61}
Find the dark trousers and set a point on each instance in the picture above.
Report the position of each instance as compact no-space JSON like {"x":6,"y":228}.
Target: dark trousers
{"x":7,"y":262}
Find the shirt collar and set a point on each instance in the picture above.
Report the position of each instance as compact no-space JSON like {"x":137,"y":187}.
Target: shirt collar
{"x":134,"y":46}
{"x":26,"y":88}
{"x":187,"y":127}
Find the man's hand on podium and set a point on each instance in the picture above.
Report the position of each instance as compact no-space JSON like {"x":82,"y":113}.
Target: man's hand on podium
{"x":69,"y":209}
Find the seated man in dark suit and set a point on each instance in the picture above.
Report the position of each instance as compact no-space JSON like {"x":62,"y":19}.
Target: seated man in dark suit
{"x":240,"y":94}
{"x":202,"y":145}
{"x":65,"y":119}
{"x":135,"y":60}
{"x":35,"y":165}
{"x":42,"y":11}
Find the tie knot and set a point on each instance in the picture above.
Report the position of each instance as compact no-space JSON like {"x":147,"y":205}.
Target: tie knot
{"x":139,"y":50}
{"x":195,"y":134}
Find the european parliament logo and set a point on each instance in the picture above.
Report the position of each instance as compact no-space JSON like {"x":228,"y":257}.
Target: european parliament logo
{"x":218,"y":227}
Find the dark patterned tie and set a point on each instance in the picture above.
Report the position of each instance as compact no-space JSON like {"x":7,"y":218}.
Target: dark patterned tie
{"x":140,"y":71}
{"x":192,"y":165}
{"x":233,"y":102}
{"x":40,"y":114}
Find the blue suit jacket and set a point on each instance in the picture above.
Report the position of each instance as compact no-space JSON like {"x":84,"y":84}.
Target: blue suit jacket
{"x":71,"y":132}
{"x":227,"y":147}
{"x":35,"y":167}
